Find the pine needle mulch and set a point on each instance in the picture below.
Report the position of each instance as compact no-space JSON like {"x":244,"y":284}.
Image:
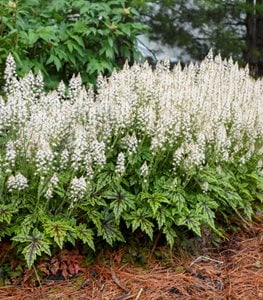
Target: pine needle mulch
{"x":235,"y":271}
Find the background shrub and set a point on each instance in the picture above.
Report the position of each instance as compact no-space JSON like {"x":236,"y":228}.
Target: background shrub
{"x":65,"y":37}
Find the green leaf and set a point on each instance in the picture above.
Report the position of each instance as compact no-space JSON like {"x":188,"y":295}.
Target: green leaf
{"x":47,"y":33}
{"x":86,"y":235}
{"x":57,"y":5}
{"x":32,"y":37}
{"x":57,"y":229}
{"x":162,"y":216}
{"x":248,"y":210}
{"x":57,"y":63}
{"x":139,"y":219}
{"x":110,"y":230}
{"x":110,"y":41}
{"x":204,"y":208}
{"x":155,"y":200}
{"x":78,"y":39}
{"x":178,"y":200}
{"x":80,"y":27}
{"x":55,"y":60}
{"x":260,"y":197}
{"x":70,"y":46}
{"x":109,"y":53}
{"x":95,"y":216}
{"x":37,"y":244}
{"x":192,"y":221}
{"x":170,"y":235}
{"x":6,"y":213}
{"x":126,"y":29}
{"x":60,"y":191}
{"x":232,"y":198}
{"x":122,"y":201}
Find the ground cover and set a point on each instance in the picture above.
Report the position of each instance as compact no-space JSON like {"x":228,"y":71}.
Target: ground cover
{"x":231,"y":271}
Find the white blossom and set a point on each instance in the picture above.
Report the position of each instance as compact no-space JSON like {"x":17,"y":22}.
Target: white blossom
{"x":211,"y":105}
{"x":10,"y":155}
{"x":44,"y":159}
{"x":205,"y":187}
{"x":120,"y":164}
{"x":49,"y":193}
{"x":78,"y":188}
{"x":131,"y":143}
{"x":18,"y":182}
{"x":10,"y":74}
{"x":51,"y":185}
{"x":144,"y":170}
{"x":54,"y":180}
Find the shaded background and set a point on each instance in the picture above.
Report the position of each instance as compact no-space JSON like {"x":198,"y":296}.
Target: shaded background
{"x":186,"y":29}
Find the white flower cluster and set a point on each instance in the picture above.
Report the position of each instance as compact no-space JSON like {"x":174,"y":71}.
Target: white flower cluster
{"x":130,"y":143}
{"x":10,"y":155}
{"x":120,"y":165}
{"x":78,"y":188}
{"x":51,"y":185}
{"x":212,"y":105}
{"x":44,"y":158}
{"x":144,"y":170}
{"x":10,"y":74}
{"x":205,"y":187}
{"x":17,"y":182}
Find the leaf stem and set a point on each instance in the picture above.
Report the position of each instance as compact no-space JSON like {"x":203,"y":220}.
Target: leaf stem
{"x":37,"y":276}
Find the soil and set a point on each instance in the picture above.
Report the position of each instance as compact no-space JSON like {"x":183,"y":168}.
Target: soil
{"x":234,"y":270}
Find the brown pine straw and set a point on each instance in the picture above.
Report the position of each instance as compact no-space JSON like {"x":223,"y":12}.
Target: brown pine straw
{"x":235,"y":272}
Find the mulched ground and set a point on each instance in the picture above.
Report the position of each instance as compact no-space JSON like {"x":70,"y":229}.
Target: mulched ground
{"x":232,"y":271}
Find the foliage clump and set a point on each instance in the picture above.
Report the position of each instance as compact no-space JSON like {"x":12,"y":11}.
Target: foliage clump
{"x":62,"y":37}
{"x":151,"y":150}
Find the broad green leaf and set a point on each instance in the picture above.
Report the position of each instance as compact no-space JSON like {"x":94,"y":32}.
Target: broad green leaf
{"x":155,"y":200}
{"x":78,"y":39}
{"x":125,"y":28}
{"x":6,"y":213}
{"x":57,"y":5}
{"x":170,"y":235}
{"x":248,"y":210}
{"x":70,"y":46}
{"x":32,"y":37}
{"x":178,"y":200}
{"x":47,"y":33}
{"x":192,"y":221}
{"x":260,"y":197}
{"x":110,"y":41}
{"x":37,"y":244}
{"x":110,"y":231}
{"x":57,"y":229}
{"x":204,"y":208}
{"x":140,"y":219}
{"x":163,"y":216}
{"x":122,"y":201}
{"x":95,"y":217}
{"x":57,"y":63}
{"x":86,"y":235}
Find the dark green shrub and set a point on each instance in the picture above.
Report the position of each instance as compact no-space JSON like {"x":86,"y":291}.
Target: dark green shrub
{"x":62,"y":37}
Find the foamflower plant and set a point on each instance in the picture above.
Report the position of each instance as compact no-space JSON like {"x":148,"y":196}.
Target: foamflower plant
{"x":161,"y":150}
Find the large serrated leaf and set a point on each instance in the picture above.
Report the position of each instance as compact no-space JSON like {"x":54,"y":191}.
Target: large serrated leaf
{"x":192,"y":221}
{"x":6,"y":213}
{"x":86,"y":235}
{"x":37,"y":244}
{"x":58,"y":230}
{"x":170,"y":235}
{"x":110,"y":231}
